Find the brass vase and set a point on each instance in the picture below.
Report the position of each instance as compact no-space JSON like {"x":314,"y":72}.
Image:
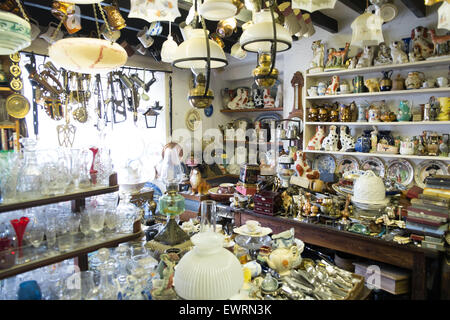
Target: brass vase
{"x":261,"y":72}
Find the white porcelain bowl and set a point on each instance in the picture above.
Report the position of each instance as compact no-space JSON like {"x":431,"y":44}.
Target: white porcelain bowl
{"x":15,"y":33}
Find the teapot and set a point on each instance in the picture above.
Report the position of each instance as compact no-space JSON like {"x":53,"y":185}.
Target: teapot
{"x":282,"y":260}
{"x":386,"y":82}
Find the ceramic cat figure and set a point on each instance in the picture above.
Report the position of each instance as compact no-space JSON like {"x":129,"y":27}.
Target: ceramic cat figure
{"x":330,"y":143}
{"x":347,"y":141}
{"x":366,"y":59}
{"x":398,"y":55}
{"x":316,"y":142}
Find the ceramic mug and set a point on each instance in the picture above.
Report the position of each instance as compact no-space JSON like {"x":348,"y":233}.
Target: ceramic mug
{"x":145,"y":38}
{"x":155,"y":28}
{"x":442,"y":82}
{"x":47,"y":36}
{"x":237,"y":52}
{"x":429,"y":83}
{"x":344,"y":88}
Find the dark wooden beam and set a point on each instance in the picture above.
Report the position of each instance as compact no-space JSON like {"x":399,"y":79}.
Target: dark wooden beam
{"x":417,"y":7}
{"x":356,"y":5}
{"x":325,"y":22}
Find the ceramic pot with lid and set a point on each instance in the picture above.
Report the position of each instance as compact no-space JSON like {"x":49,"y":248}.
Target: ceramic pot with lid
{"x":414,"y":80}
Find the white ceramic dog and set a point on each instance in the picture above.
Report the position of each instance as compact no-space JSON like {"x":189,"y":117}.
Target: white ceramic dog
{"x":366,"y":59}
{"x":330,"y":143}
{"x":347,"y":141}
{"x":398,"y":55}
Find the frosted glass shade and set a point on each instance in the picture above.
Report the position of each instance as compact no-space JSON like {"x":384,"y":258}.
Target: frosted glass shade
{"x":87,"y":55}
{"x":15,"y":33}
{"x":367,"y":30}
{"x":154,"y":10}
{"x":313,"y":5}
{"x":444,"y":16}
{"x":209,"y":271}
{"x":258,"y":36}
{"x":168,"y":50}
{"x":216,"y":10}
{"x":192,"y":53}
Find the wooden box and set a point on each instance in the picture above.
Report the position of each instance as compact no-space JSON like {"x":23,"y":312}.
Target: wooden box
{"x":267,"y":202}
{"x":392,"y":279}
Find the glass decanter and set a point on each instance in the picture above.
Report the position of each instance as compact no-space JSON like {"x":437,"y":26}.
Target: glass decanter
{"x":30,"y":176}
{"x":107,"y":290}
{"x":127,"y":214}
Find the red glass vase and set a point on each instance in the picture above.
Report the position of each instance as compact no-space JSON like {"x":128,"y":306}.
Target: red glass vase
{"x":19,"y":226}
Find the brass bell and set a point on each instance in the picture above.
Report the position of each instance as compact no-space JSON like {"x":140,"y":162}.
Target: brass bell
{"x":261,"y":72}
{"x":197,"y":98}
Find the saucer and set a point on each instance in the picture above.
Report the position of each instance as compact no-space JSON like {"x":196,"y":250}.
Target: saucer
{"x":258,"y":232}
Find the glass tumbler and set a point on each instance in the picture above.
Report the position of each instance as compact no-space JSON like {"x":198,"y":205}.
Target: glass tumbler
{"x":97,"y":220}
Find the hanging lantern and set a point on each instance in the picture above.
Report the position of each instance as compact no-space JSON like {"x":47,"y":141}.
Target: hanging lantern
{"x":216,"y":10}
{"x":197,"y":97}
{"x":432,"y":2}
{"x":444,"y":16}
{"x":367,"y":29}
{"x":151,"y":117}
{"x":313,"y":5}
{"x":262,"y":74}
{"x":154,"y":10}
{"x":15,"y":33}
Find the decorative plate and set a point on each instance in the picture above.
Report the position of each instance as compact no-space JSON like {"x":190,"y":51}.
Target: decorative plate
{"x":267,"y":117}
{"x":325,"y":162}
{"x":428,"y":168}
{"x":400,"y":170}
{"x":388,"y":12}
{"x":193,"y":119}
{"x":209,"y":111}
{"x":374,"y":164}
{"x":347,"y":163}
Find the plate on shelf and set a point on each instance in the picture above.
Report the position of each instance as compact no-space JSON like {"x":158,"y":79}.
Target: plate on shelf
{"x":374,"y":164}
{"x":325,"y":162}
{"x":341,"y":190}
{"x":267,"y":117}
{"x":428,"y":168}
{"x":400,"y":170}
{"x":347,"y":163}
{"x":192,"y":119}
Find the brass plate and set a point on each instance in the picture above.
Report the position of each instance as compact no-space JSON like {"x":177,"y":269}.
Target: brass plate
{"x":17,"y":106}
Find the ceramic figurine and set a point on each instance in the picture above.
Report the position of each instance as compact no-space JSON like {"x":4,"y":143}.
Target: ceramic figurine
{"x":386,"y":82}
{"x":353,"y":62}
{"x":404,"y":111}
{"x":414,"y":80}
{"x":313,"y":91}
{"x":344,"y":113}
{"x":366,"y":59}
{"x":321,"y":88}
{"x":440,"y":43}
{"x":166,"y":269}
{"x":374,"y":139}
{"x":330,"y":143}
{"x":323,"y":114}
{"x":384,"y":55}
{"x":195,"y":179}
{"x":398,"y":55}
{"x":302,"y":168}
{"x":332,"y":88}
{"x":316,"y":141}
{"x":258,"y":99}
{"x":318,"y":56}
{"x":313,"y":114}
{"x":415,"y":55}
{"x":363,"y":143}
{"x":279,"y":97}
{"x":269,"y":101}
{"x":372,"y":84}
{"x":420,"y":39}
{"x":443,"y":147}
{"x":240,"y":101}
{"x":347,"y":141}
{"x":336,"y":59}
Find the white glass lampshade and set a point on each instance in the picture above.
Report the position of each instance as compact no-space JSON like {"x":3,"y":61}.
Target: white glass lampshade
{"x":217,"y":9}
{"x":171,"y":170}
{"x":154,"y":10}
{"x":444,"y":16}
{"x":193,"y":52}
{"x":168,"y":49}
{"x":313,"y":5}
{"x":258,"y":36}
{"x":209,"y":271}
{"x":87,"y":55}
{"x":15,"y":33}
{"x":367,"y":30}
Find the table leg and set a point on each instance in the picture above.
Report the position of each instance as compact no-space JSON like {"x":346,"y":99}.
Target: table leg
{"x":419,"y":277}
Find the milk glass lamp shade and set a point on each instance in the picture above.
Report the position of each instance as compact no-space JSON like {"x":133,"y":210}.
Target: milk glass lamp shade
{"x":444,"y":16}
{"x":216,"y":10}
{"x":168,"y":50}
{"x":367,"y":30}
{"x":192,"y":53}
{"x":87,"y":55}
{"x":166,"y":10}
{"x":209,"y":271}
{"x":313,"y":5}
{"x":258,"y":36}
{"x":15,"y":33}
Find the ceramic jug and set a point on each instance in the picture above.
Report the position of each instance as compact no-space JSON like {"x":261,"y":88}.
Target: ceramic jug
{"x":284,"y":239}
{"x":386,"y":82}
{"x":363,"y":143}
{"x":322,"y":88}
{"x":414,"y":80}
{"x":398,"y":83}
{"x":283,"y":259}
{"x":407,"y":147}
{"x":374,"y":114}
{"x":444,"y":114}
{"x":404,"y":111}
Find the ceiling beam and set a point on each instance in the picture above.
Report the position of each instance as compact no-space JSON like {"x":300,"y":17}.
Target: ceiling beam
{"x":325,"y":22}
{"x":417,"y":7}
{"x":356,"y":5}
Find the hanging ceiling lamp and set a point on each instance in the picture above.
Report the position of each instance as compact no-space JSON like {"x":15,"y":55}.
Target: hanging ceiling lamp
{"x":85,"y":1}
{"x":154,"y":10}
{"x":259,"y":36}
{"x":169,"y":47}
{"x":216,"y":10}
{"x":15,"y":32}
{"x":313,"y":5}
{"x":88,"y":55}
{"x":367,"y":28}
{"x":444,"y":16}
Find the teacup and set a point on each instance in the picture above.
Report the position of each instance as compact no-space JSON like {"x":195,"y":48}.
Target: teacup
{"x":252,"y":225}
{"x":155,"y":28}
{"x":238,"y":52}
{"x":442,"y":82}
{"x":113,"y":36}
{"x":145,"y":38}
{"x":313,"y":91}
{"x":47,"y":36}
{"x":141,"y":49}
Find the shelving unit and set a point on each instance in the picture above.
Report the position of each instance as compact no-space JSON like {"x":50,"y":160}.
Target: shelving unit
{"x":252,"y":110}
{"x":380,"y":124}
{"x":381,"y":155}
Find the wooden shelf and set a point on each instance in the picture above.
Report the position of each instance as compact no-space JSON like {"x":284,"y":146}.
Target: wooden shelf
{"x":60,"y":198}
{"x":93,"y":245}
{"x":404,"y":66}
{"x":252,"y":110}
{"x":381,"y":155}
{"x":381,"y":94}
{"x":369,"y":124}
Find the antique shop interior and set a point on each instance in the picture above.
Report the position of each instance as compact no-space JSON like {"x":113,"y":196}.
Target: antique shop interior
{"x":224,"y":150}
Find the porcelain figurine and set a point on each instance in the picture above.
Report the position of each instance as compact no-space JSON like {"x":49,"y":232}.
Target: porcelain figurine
{"x":443,"y":147}
{"x":321,"y":88}
{"x":372,"y":84}
{"x":336,"y":59}
{"x":366,"y":59}
{"x":258,"y":99}
{"x":313,"y":114}
{"x":404,"y":111}
{"x":374,"y":139}
{"x":420,"y":39}
{"x":195,"y":179}
{"x":440,"y":43}
{"x":363,"y":143}
{"x":269,"y":101}
{"x":384,"y":55}
{"x":332,"y":88}
{"x":407,"y":147}
{"x":353,"y":62}
{"x":398,"y":55}
{"x":313,"y":91}
{"x":330,"y":142}
{"x":316,"y":142}
{"x":415,"y":55}
{"x":347,"y":141}
{"x":284,"y":239}
{"x":317,"y":63}
{"x":302,"y":168}
{"x":240,"y":101}
{"x":282,"y":260}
